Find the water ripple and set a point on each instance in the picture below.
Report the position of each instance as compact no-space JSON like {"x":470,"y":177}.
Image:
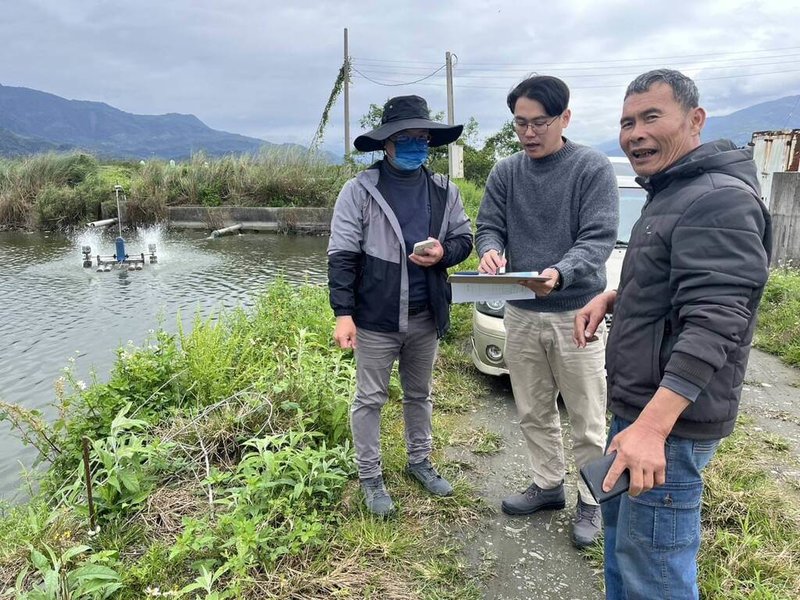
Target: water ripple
{"x":53,"y":311}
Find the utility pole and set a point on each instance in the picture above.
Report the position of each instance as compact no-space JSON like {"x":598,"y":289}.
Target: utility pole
{"x":455,"y":153}
{"x":451,"y":119}
{"x":346,"y":97}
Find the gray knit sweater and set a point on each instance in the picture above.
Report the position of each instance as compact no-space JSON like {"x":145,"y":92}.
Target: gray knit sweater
{"x":559,"y":211}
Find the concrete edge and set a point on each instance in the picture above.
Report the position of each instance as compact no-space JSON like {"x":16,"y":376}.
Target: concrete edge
{"x":258,"y":219}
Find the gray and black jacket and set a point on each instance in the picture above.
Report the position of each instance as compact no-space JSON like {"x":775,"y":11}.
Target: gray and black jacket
{"x":367,"y":257}
{"x":691,"y":282}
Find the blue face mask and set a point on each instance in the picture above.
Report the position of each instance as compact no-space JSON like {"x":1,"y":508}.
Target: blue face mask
{"x":410,"y":155}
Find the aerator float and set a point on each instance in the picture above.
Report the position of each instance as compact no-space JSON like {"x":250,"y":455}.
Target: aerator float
{"x":120,"y":259}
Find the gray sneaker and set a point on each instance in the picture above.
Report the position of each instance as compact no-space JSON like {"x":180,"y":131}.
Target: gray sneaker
{"x":586,"y":524}
{"x":429,"y":478}
{"x":376,"y":497}
{"x":534,"y":499}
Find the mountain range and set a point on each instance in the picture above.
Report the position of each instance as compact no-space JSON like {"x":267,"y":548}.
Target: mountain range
{"x":32,"y":121}
{"x":783,"y":113}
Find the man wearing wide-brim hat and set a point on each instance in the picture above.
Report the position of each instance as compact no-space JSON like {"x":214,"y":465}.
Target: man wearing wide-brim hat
{"x":391,"y":302}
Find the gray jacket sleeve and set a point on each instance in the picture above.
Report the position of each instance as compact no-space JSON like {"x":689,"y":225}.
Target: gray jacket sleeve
{"x":344,"y":250}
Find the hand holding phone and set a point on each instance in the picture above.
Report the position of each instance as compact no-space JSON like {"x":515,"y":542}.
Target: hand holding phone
{"x":594,"y":473}
{"x":420,"y":247}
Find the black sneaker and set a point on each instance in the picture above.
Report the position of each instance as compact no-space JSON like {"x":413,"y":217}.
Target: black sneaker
{"x":534,"y":499}
{"x":429,"y":478}
{"x":586,"y":524}
{"x":376,"y":497}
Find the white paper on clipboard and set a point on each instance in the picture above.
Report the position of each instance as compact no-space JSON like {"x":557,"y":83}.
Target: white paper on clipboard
{"x":466,"y":289}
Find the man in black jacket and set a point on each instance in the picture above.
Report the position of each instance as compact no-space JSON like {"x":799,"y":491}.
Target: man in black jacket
{"x":684,"y":314}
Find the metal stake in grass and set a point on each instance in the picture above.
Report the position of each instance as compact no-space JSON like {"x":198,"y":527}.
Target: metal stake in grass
{"x":92,"y":520}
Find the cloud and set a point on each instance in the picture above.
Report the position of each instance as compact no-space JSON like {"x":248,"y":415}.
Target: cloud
{"x":267,"y":69}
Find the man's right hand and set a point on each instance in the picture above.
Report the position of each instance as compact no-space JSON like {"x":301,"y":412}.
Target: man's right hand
{"x":590,"y":316}
{"x":491,"y":261}
{"x":345,"y":332}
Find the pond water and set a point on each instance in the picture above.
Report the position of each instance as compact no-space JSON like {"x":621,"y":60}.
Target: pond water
{"x":54,"y":312}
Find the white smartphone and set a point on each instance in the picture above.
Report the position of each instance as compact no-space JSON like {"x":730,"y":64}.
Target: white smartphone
{"x":419,"y":247}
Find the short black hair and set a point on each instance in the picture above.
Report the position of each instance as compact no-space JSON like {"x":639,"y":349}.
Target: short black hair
{"x":683,"y":88}
{"x":550,"y":92}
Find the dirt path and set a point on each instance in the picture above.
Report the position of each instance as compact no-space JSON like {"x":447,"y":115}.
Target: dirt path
{"x":771,"y":396}
{"x":521,"y":557}
{"x":532,"y":557}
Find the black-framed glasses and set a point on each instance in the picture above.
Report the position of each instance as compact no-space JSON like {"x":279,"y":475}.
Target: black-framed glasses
{"x":404,"y":139}
{"x":539,"y":126}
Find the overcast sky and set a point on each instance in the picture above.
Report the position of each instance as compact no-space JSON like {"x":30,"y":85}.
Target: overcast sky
{"x":266,"y":69}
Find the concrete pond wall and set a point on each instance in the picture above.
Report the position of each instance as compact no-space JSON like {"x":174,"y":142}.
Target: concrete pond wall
{"x":284,"y":220}
{"x":251,"y":218}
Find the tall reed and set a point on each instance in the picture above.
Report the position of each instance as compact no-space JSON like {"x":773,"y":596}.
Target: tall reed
{"x":21,"y":183}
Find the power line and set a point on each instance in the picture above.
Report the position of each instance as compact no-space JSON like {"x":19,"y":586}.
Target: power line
{"x":607,"y":86}
{"x":384,"y":67}
{"x":487,"y":73}
{"x":573,"y":76}
{"x":420,"y":62}
{"x":651,"y":58}
{"x":791,"y":112}
{"x":399,"y":84}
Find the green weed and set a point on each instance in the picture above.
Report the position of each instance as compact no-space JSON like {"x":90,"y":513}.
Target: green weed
{"x":778,"y":329}
{"x":482,"y":440}
{"x":751,"y":527}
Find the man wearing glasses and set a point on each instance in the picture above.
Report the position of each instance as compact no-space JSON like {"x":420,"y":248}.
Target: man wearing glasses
{"x":552,"y":208}
{"x":390,"y":298}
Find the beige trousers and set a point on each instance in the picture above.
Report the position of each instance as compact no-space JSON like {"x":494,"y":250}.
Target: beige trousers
{"x":542,"y":360}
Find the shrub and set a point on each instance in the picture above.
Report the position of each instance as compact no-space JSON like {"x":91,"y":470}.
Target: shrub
{"x":150,"y":194}
{"x":55,"y":176}
{"x":778,"y":329}
{"x":60,"y":207}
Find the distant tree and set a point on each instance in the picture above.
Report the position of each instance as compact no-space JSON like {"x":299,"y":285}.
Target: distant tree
{"x":477,"y":164}
{"x":372,"y":118}
{"x":470,"y":135}
{"x":503,"y":143}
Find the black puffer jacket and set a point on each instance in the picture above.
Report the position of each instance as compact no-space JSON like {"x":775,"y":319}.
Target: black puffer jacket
{"x":691,"y":283}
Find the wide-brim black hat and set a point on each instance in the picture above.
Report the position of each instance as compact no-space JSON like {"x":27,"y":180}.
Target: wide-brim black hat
{"x":406,"y":112}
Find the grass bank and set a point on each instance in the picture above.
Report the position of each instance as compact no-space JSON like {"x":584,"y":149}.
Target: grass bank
{"x":61,"y":191}
{"x":778,"y":330}
{"x":221,"y":467}
{"x":751,"y":544}
{"x":52,"y":191}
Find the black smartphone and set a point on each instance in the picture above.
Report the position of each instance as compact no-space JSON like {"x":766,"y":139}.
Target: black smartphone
{"x":595,"y":472}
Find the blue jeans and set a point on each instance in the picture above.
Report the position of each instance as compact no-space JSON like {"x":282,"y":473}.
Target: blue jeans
{"x":651,"y":541}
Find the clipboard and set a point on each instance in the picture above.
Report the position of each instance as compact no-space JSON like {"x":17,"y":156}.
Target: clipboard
{"x":500,"y":278}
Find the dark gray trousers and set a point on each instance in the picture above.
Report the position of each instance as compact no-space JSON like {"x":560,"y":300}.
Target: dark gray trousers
{"x":375,"y":355}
